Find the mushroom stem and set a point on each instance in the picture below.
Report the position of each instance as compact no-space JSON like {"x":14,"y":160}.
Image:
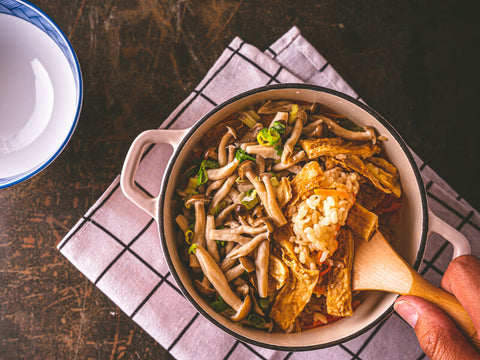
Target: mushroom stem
{"x":311,"y":127}
{"x":222,"y":151}
{"x":259,"y":163}
{"x":182,"y":222}
{"x":267,"y":151}
{"x":261,"y":268}
{"x":294,"y":136}
{"x":247,"y":248}
{"x":223,"y":172}
{"x":217,"y":279}
{"x":269,"y":202}
{"x":271,"y":205}
{"x":199,"y":230}
{"x":222,"y":192}
{"x":366,"y":135}
{"x":211,"y":244}
{"x":244,"y":265}
{"x":242,"y":229}
{"x":223,"y":214}
{"x":299,"y":156}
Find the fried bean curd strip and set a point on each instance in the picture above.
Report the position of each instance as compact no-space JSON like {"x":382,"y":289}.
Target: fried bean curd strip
{"x":339,"y":293}
{"x":315,"y":147}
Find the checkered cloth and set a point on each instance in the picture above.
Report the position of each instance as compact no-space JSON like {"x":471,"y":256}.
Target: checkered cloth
{"x":116,"y":245}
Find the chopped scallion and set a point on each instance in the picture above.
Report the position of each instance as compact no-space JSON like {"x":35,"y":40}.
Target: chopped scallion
{"x":192,"y":249}
{"x":293,"y":114}
{"x":241,"y":156}
{"x":250,"y":118}
{"x":188,"y":236}
{"x":256,"y":321}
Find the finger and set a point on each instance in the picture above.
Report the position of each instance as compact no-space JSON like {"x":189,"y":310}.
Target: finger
{"x":438,"y":336}
{"x":462,"y":279}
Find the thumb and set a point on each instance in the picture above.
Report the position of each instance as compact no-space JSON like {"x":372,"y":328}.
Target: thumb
{"x":438,"y":336}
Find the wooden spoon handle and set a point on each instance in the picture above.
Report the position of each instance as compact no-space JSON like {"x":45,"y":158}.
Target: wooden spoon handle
{"x":448,"y":303}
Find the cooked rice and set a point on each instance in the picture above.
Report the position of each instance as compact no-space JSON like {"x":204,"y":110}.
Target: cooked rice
{"x":319,"y":216}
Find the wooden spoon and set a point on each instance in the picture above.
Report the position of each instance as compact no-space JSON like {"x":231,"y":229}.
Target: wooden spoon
{"x":377,"y":266}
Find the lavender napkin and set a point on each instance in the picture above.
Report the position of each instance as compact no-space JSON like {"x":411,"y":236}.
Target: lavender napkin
{"x":116,"y":245}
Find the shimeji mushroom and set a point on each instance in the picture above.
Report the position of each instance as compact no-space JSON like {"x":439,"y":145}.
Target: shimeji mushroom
{"x":198,"y":201}
{"x":299,"y":156}
{"x":281,"y":117}
{"x":222,"y":216}
{"x":217,"y":279}
{"x":294,"y":136}
{"x":203,"y":287}
{"x":247,"y":169}
{"x":211,"y":244}
{"x":259,"y":163}
{"x":272,"y":207}
{"x":222,"y":151}
{"x":261,"y":268}
{"x":368,"y":133}
{"x":248,"y":247}
{"x":223,"y":172}
{"x":244,"y":264}
{"x":222,"y":192}
{"x":266,"y":151}
{"x":251,"y":134}
{"x":241,"y":229}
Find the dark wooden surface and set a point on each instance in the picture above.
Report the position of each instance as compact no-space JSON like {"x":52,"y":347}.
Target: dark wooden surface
{"x":415,"y":62}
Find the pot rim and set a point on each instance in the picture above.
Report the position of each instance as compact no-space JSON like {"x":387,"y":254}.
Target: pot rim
{"x":168,"y":170}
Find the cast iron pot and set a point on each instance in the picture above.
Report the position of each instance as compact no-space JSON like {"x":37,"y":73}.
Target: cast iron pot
{"x":416,"y":221}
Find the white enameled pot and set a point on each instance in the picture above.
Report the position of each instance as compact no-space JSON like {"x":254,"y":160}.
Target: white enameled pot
{"x":416,"y":221}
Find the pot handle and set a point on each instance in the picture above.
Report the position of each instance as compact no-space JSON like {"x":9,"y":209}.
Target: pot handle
{"x":461,"y":245}
{"x":127,"y":178}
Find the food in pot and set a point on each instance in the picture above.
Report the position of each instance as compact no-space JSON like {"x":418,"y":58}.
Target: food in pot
{"x":269,"y":209}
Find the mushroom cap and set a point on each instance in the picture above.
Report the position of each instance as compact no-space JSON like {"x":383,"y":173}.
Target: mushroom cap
{"x":244,"y":167}
{"x":266,"y":175}
{"x":231,"y":131}
{"x":244,"y":309}
{"x":202,"y":289}
{"x":247,"y":264}
{"x":302,"y":115}
{"x":266,"y":221}
{"x":197,"y":198}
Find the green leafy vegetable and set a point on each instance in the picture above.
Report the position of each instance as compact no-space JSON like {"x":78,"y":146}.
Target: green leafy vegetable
{"x":241,"y":156}
{"x":202,"y":177}
{"x":278,"y":127}
{"x":250,"y":199}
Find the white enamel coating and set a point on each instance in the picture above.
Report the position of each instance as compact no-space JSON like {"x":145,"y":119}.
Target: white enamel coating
{"x":461,"y":245}
{"x":408,"y":234}
{"x":127,"y":180}
{"x":38,"y":97}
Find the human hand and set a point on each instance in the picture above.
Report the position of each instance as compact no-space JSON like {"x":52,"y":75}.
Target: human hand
{"x":438,"y":336}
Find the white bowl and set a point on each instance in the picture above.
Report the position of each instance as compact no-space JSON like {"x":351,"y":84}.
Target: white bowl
{"x":40,"y":91}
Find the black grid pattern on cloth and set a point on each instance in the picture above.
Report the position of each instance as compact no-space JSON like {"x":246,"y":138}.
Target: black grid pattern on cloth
{"x":165,"y":278}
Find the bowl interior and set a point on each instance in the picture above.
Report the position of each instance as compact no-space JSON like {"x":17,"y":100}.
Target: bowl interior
{"x":409,"y":237}
{"x":40,"y":91}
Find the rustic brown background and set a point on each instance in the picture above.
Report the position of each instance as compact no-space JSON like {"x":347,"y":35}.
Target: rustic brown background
{"x":415,"y":62}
